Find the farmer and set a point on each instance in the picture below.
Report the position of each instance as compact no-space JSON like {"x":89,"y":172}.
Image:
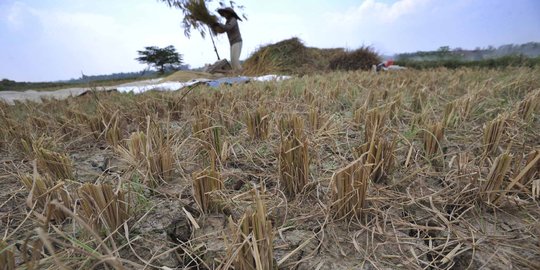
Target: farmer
{"x":233,"y":33}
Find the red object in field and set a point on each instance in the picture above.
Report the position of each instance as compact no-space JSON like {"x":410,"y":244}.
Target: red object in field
{"x":389,"y":63}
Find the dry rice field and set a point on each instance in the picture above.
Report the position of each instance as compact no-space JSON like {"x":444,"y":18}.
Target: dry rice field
{"x":435,"y":169}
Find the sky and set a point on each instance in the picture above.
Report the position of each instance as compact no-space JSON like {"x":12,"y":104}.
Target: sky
{"x":49,"y":40}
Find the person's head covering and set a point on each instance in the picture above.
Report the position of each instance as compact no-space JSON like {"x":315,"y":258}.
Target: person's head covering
{"x":228,"y":10}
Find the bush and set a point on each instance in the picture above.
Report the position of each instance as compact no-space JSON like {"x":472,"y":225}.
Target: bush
{"x":361,"y":58}
{"x":501,"y":62}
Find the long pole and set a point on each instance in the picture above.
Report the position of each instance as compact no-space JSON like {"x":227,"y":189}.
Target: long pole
{"x":213,"y":43}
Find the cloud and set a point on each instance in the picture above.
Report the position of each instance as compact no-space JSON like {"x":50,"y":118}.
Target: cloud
{"x":72,"y":40}
{"x":17,"y":14}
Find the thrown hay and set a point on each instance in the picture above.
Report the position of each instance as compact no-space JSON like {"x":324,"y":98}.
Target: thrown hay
{"x":293,"y":156}
{"x":102,"y":207}
{"x":204,"y":184}
{"x":250,"y":245}
{"x":199,"y":12}
{"x":42,"y":191}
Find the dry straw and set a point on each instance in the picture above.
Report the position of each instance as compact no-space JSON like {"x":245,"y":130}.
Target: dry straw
{"x":349,"y":188}
{"x":204,"y":184}
{"x":493,"y":132}
{"x":211,"y":138}
{"x":380,"y":153}
{"x":525,"y":175}
{"x":42,"y":191}
{"x":199,"y":12}
{"x":433,"y":136}
{"x":419,"y":100}
{"x":257,"y":123}
{"x":102,"y":207}
{"x":451,"y":116}
{"x":359,"y":115}
{"x":293,"y":155}
{"x":7,"y":258}
{"x":250,"y":245}
{"x":493,"y":183}
{"x":314,"y":118}
{"x":151,"y":153}
{"x":56,"y":164}
{"x":529,"y":105}
{"x":374,"y":122}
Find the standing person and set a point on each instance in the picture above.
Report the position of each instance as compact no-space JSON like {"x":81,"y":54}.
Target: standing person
{"x":233,"y":33}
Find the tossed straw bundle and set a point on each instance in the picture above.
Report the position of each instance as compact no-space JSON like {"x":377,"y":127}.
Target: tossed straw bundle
{"x":199,"y":12}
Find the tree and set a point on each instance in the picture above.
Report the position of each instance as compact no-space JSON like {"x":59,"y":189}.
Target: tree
{"x":160,"y":58}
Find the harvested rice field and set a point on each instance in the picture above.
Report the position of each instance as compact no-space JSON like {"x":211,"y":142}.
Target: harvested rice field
{"x":435,"y":169}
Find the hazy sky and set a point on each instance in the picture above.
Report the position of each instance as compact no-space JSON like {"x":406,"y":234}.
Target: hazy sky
{"x":45,"y":40}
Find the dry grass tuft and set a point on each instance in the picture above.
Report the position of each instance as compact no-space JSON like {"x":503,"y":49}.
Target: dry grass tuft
{"x":529,"y":105}
{"x":433,"y":136}
{"x":380,"y":153}
{"x":42,"y":191}
{"x":493,"y":183}
{"x":53,"y":163}
{"x":257,"y":124}
{"x":374,"y":122}
{"x":293,"y":155}
{"x":7,"y":259}
{"x":214,"y":147}
{"x":102,"y":207}
{"x":204,"y":183}
{"x":493,"y":132}
{"x":150,"y":153}
{"x":349,"y":189}
{"x":250,"y":245}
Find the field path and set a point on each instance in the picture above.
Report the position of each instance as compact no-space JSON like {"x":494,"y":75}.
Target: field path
{"x":11,"y":96}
